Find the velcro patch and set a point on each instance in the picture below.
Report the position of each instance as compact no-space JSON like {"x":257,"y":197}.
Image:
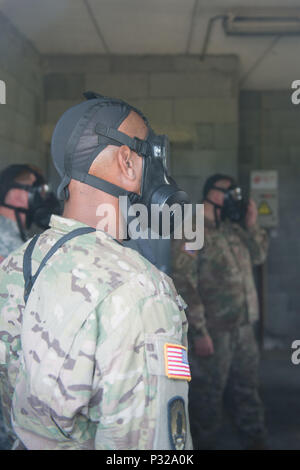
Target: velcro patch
{"x":176,"y":362}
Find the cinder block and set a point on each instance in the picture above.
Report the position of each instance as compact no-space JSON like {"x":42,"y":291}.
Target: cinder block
{"x":274,"y":156}
{"x":226,"y":136}
{"x":7,"y":122}
{"x":27,"y":104}
{"x":250,"y":155}
{"x":205,"y":136}
{"x":277,"y":322}
{"x":198,"y":162}
{"x":289,"y":118}
{"x":12,"y":89}
{"x":118,"y":85}
{"x":69,"y":64}
{"x":25,"y":131}
{"x":47,"y":131}
{"x":190,"y":84}
{"x":141,"y":64}
{"x":205,"y":110}
{"x":11,"y":49}
{"x":277,"y":99}
{"x":158,"y":111}
{"x":185,"y":135}
{"x":289,"y":137}
{"x":251,"y":119}
{"x":7,"y":155}
{"x":32,"y":77}
{"x":193,"y":185}
{"x":55,"y":109}
{"x":295,"y":156}
{"x":59,"y":86}
{"x":250,"y":100}
{"x":270,"y":137}
{"x":244,"y":172}
{"x":227,"y":65}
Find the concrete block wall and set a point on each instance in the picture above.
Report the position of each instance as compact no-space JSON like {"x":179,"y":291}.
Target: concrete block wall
{"x":269,"y":139}
{"x":194,"y":102}
{"x":22,"y":115}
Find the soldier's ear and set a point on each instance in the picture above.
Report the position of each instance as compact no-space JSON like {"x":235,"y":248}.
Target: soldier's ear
{"x":126,"y":163}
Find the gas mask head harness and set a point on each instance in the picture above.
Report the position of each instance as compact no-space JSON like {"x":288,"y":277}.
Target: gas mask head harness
{"x":41,"y":201}
{"x":86,"y":129}
{"x":234,"y":205}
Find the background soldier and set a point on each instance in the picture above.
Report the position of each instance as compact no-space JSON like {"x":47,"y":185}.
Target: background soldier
{"x":24,"y":199}
{"x":217,"y":283}
{"x":100,"y":323}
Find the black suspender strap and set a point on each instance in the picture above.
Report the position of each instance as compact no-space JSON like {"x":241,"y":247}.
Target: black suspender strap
{"x":27,"y":266}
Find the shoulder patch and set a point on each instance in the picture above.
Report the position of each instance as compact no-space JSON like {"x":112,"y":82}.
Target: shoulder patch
{"x":177,"y":423}
{"x":176,"y":362}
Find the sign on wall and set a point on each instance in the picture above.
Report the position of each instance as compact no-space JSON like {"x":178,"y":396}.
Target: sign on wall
{"x":264,"y":191}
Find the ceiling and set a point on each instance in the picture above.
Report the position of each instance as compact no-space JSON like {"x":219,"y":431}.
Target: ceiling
{"x":156,"y":27}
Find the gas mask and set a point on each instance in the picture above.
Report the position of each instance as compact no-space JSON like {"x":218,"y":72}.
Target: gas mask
{"x":42,"y":203}
{"x":234,"y":206}
{"x":158,"y":189}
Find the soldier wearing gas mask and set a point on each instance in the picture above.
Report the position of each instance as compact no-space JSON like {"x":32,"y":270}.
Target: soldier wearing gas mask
{"x":25,"y":199}
{"x":218,"y":286}
{"x":100,"y":324}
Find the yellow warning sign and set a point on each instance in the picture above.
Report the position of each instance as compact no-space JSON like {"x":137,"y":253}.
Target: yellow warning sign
{"x":264,"y":209}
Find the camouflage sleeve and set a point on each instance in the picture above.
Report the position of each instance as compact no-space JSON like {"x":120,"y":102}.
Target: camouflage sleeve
{"x":185,"y":278}
{"x":11,"y":308}
{"x":130,"y":397}
{"x":257,"y":240}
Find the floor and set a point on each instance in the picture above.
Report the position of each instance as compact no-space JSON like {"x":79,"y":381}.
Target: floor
{"x":280,"y":390}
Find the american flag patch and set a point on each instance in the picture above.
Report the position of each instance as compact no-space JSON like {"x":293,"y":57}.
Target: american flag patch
{"x":177,"y":366}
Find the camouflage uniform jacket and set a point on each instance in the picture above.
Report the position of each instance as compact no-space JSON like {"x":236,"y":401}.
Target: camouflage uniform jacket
{"x":82,"y":364}
{"x":217,"y":281}
{"x":10,"y":238}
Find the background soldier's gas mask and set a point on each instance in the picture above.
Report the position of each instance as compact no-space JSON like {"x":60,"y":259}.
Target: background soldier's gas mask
{"x":234,"y":205}
{"x":42,"y":203}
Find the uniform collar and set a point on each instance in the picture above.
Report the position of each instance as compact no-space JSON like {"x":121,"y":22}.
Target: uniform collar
{"x":65,"y":225}
{"x":62,"y":224}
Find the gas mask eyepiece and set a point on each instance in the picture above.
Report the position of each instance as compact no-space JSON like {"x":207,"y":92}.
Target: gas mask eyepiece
{"x":234,"y":206}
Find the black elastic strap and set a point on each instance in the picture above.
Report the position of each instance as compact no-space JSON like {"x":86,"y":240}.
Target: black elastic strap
{"x":99,"y":183}
{"x":27,"y":266}
{"x":141,"y":147}
{"x":19,"y":209}
{"x":216,"y":206}
{"x":20,"y":226}
{"x":213,"y":203}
